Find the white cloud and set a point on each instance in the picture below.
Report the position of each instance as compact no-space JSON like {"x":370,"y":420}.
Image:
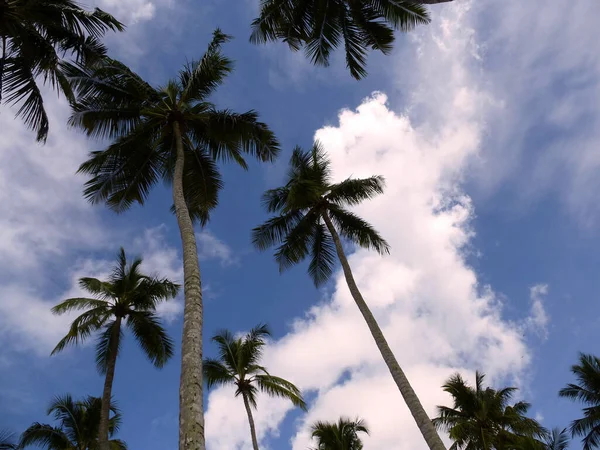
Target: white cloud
{"x":538,"y":318}
{"x":211,"y":247}
{"x":435,"y":314}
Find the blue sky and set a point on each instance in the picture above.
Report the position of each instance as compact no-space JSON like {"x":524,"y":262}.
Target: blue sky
{"x":485,"y":126}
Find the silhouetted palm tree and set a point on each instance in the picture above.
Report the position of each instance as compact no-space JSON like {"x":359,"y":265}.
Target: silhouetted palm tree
{"x":77,"y":429}
{"x":311,"y":216}
{"x":127,"y":298}
{"x":321,"y":26}
{"x":342,"y":435}
{"x":170,"y":133}
{"x":34,"y":36}
{"x":239,"y":364}
{"x":586,"y":391}
{"x":482,"y":418}
{"x":7,"y":441}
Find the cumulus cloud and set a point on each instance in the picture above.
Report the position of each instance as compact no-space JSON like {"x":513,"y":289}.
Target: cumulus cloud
{"x":211,"y":247}
{"x":435,"y":314}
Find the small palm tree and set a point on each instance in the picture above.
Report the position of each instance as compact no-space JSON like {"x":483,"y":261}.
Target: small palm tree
{"x":587,"y":391}
{"x":175,"y":134}
{"x":481,"y":418}
{"x":312,"y":215}
{"x":7,"y":441}
{"x":557,"y":439}
{"x":342,"y":435}
{"x":34,"y":36}
{"x":239,"y":364}
{"x":127,"y":298}
{"x":77,"y":428}
{"x":320,"y":27}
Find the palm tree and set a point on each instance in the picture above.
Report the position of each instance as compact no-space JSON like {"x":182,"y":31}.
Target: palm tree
{"x":557,"y":439}
{"x":342,"y":435}
{"x":34,"y":36}
{"x":175,"y":134}
{"x":239,"y":364}
{"x":482,"y":419}
{"x":6,"y":440}
{"x":311,"y":217}
{"x":77,"y":428}
{"x":587,"y":391}
{"x":319,"y":27}
{"x":127,"y":298}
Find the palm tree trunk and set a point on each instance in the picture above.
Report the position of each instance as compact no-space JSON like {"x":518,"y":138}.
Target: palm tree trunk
{"x":103,"y":442}
{"x":412,"y":401}
{"x":251,"y":421}
{"x":191,"y":412}
{"x":2,"y":62}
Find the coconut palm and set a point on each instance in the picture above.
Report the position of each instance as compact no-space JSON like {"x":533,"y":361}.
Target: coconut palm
{"x":34,"y":36}
{"x":320,"y":27}
{"x":311,"y":220}
{"x":127,"y":298}
{"x":77,"y":427}
{"x":557,"y":439}
{"x":342,"y":435}
{"x":586,"y":391}
{"x":175,"y":134}
{"x":7,"y":441}
{"x":482,"y":418}
{"x":239,"y":364}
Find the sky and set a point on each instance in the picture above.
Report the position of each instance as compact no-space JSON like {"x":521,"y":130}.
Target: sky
{"x":485,"y":126}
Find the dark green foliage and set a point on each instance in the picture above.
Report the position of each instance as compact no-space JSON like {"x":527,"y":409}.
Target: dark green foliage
{"x":587,"y":392}
{"x":300,"y":205}
{"x":34,"y":37}
{"x":129,"y":295}
{"x":115,"y":103}
{"x":239,"y":364}
{"x":482,"y":418}
{"x":320,"y":26}
{"x":342,"y":435}
{"x":77,"y":427}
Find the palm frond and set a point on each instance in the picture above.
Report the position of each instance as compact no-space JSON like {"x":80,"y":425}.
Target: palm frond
{"x":105,"y":344}
{"x":357,"y":230}
{"x":275,"y":230}
{"x":44,"y":435}
{"x":353,"y":191}
{"x":215,"y":373}
{"x":278,"y":387}
{"x":151,"y":336}
{"x":72,"y":304}
{"x":323,"y":255}
{"x":82,"y":328}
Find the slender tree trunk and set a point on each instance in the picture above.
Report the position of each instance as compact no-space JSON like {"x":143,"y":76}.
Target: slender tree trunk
{"x":251,"y":421}
{"x":2,"y":62}
{"x":412,"y":401}
{"x":103,"y":442}
{"x":191,"y":412}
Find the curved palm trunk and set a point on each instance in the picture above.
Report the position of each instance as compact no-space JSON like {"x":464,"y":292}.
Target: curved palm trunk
{"x":412,"y":401}
{"x":191,"y":412}
{"x":251,"y":421}
{"x":103,"y":442}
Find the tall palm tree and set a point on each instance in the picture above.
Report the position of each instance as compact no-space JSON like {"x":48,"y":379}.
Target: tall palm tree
{"x":127,"y":298}
{"x":34,"y":36}
{"x":587,"y":391}
{"x":77,"y":428}
{"x":175,"y":134}
{"x":482,"y":419}
{"x":311,"y":216}
{"x":239,"y":364}
{"x":342,"y":435}
{"x":321,"y":26}
{"x":7,"y":440}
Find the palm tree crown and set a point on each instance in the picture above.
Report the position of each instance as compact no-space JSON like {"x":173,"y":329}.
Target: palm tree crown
{"x":115,"y":103}
{"x":77,"y":426}
{"x":482,"y":419}
{"x":7,"y":441}
{"x":319,"y":27}
{"x":129,"y":295}
{"x":304,"y":204}
{"x":587,"y":391}
{"x":34,"y":36}
{"x":239,"y":364}
{"x":342,"y":435}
